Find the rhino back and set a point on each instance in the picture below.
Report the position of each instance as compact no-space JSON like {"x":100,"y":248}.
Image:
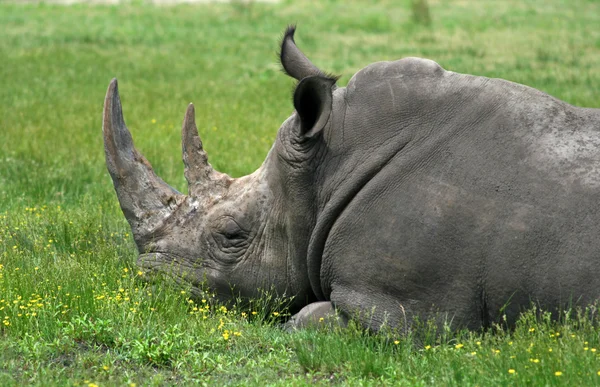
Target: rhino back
{"x":459,"y":193}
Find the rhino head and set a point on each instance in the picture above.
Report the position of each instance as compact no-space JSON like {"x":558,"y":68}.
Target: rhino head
{"x":239,"y":234}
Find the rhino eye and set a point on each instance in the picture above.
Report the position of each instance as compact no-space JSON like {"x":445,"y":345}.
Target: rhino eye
{"x":231,"y":238}
{"x":231,"y":230}
{"x":233,"y":234}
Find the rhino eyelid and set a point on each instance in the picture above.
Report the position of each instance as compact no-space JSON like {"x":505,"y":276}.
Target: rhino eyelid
{"x":226,"y":239}
{"x":237,"y":237}
{"x":225,"y":220}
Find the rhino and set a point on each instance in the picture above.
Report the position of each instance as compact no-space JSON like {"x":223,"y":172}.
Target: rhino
{"x":412,"y":193}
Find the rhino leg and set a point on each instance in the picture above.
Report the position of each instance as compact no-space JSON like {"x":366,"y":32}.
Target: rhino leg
{"x":317,"y":314}
{"x":374,"y":310}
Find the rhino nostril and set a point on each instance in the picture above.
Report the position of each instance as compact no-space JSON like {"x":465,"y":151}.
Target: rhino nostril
{"x":150,"y":261}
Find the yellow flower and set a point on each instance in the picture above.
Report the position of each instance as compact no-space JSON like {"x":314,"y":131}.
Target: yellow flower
{"x":558,"y":373}
{"x":458,"y":346}
{"x":593,"y":349}
{"x":478,"y":343}
{"x":534,"y":360}
{"x":140,"y":273}
{"x":549,"y":349}
{"x":512,"y":371}
{"x":154,"y":120}
{"x":105,"y":368}
{"x":226,"y":335}
{"x":125,"y":269}
{"x":396,"y":342}
{"x":427,"y":347}
{"x":598,"y":373}
{"x":473,"y":353}
{"x":585,"y":348}
{"x":275,"y":314}
{"x":531,"y":329}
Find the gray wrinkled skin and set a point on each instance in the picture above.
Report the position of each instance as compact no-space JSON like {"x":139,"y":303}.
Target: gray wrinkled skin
{"x":413,"y":191}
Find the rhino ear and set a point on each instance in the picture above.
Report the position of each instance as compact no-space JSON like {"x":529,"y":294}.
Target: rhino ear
{"x":313,"y":99}
{"x":294,"y":62}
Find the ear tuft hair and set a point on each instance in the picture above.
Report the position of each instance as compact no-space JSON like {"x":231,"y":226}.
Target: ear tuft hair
{"x":294,"y":62}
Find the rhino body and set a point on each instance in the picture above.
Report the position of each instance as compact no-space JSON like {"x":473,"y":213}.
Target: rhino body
{"x":411,"y":192}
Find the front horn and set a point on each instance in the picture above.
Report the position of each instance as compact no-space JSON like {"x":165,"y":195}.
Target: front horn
{"x":146,"y":200}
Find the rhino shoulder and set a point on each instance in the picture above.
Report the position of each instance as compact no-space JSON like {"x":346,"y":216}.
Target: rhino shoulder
{"x":416,"y":66}
{"x":407,"y":67}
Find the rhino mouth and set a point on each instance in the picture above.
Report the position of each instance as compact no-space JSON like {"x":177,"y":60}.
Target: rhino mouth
{"x":155,"y":264}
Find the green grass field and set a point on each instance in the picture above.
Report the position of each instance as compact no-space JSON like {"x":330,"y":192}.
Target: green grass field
{"x":73,"y":308}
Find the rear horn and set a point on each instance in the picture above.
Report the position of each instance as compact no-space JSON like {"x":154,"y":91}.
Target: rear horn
{"x":201,"y":177}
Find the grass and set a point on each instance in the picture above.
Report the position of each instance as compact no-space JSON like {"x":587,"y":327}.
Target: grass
{"x":73,"y":308}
